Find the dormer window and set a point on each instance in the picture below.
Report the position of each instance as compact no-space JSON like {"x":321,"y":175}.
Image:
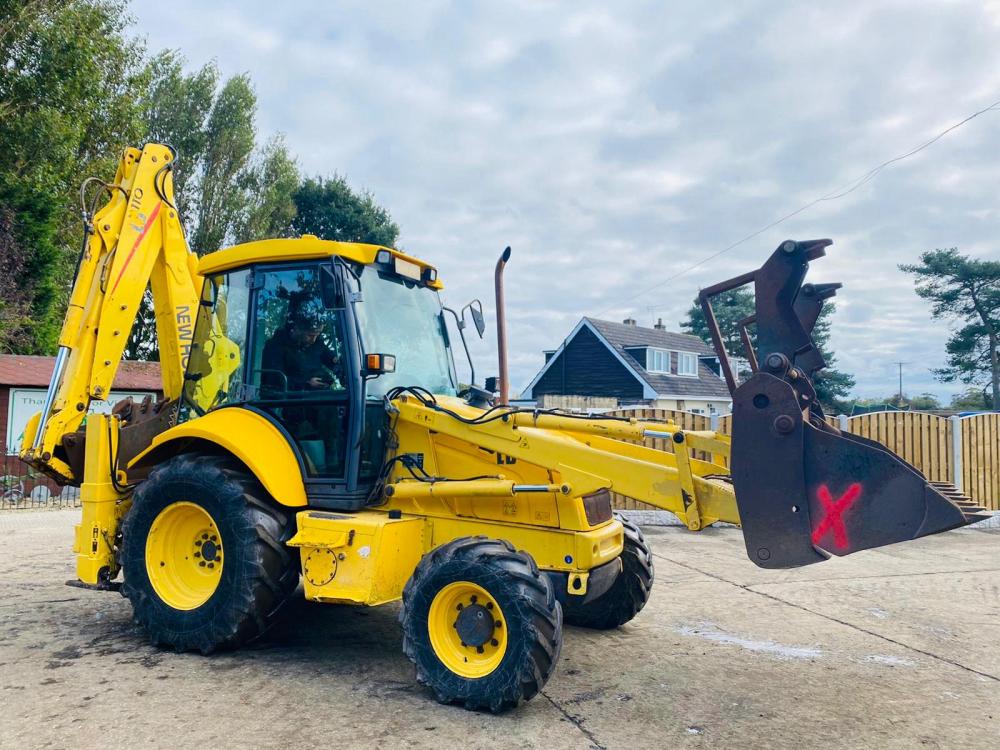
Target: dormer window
{"x":658,"y":360}
{"x":683,"y":363}
{"x":687,"y":364}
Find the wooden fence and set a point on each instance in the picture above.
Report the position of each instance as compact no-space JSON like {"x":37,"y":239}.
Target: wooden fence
{"x":980,"y":459}
{"x":963,"y":451}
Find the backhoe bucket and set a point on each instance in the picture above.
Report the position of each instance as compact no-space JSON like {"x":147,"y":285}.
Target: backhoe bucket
{"x":805,"y":490}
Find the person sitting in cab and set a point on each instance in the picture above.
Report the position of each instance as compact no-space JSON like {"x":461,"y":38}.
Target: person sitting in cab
{"x":299,"y":353}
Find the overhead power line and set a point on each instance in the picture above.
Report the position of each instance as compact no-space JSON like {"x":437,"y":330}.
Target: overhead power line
{"x":840,"y":192}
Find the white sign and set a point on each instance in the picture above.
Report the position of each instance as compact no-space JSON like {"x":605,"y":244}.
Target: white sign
{"x":25,"y":402}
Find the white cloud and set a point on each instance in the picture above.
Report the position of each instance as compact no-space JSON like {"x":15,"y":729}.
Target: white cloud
{"x":613,"y":148}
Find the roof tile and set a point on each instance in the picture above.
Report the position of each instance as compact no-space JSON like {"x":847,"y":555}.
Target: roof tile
{"x":32,"y":370}
{"x":706,"y":385}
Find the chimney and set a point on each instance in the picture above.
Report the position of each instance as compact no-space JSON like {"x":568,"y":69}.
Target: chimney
{"x":629,"y":321}
{"x":659,"y":325}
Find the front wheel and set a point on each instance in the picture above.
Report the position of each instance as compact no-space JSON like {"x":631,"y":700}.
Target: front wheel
{"x":481,"y":624}
{"x":203,"y":555}
{"x":627,"y":595}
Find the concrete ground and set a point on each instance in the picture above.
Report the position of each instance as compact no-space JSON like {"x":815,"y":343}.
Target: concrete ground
{"x":895,"y":648}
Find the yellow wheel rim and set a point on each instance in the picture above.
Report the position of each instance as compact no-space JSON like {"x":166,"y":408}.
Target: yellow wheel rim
{"x":184,"y":556}
{"x":467,"y":629}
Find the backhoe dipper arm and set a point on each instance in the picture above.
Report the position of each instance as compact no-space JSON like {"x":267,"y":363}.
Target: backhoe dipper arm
{"x":134,"y":240}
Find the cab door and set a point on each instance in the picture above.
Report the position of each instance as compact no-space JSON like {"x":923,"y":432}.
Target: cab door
{"x":302,"y":374}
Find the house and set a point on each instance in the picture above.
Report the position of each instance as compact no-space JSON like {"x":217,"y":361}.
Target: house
{"x":24,"y":381}
{"x":606,"y":365}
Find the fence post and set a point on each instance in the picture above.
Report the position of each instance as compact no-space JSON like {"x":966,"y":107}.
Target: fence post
{"x":713,"y":422}
{"x":842,"y":422}
{"x":956,"y":451}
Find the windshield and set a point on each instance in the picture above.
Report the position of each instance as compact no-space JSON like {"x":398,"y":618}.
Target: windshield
{"x":401,"y":317}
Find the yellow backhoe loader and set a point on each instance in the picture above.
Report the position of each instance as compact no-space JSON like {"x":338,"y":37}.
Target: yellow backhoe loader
{"x":313,"y":430}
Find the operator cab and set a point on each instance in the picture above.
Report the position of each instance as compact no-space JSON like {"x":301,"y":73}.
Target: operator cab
{"x":286,"y":328}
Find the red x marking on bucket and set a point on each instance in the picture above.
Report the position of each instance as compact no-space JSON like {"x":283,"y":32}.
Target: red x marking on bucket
{"x":834,"y":518}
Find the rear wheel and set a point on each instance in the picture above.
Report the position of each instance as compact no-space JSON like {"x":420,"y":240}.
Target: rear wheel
{"x":203,"y":555}
{"x":481,"y":624}
{"x":627,"y":595}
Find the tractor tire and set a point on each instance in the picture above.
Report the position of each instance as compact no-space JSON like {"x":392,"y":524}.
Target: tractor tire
{"x":627,"y":595}
{"x":203,"y":555}
{"x":481,"y":624}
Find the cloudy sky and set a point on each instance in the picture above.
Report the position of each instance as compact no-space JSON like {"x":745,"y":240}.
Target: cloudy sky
{"x":614,"y":147}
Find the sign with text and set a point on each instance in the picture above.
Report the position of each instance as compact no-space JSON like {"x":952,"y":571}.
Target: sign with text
{"x":24,"y":402}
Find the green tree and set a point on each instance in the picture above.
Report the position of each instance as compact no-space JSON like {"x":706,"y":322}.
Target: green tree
{"x":230,"y":135}
{"x":13,"y":301}
{"x":967,"y":291}
{"x":176,"y":108}
{"x":832,"y":385}
{"x":971,"y":399}
{"x":215,"y":179}
{"x":730,"y":308}
{"x":269,"y":185}
{"x":331,"y":210}
{"x":924,"y":402}
{"x":69,"y":84}
{"x":213,"y":129}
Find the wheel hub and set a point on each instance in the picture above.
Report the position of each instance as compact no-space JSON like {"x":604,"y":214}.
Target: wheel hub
{"x":474,"y":625}
{"x":209,"y":550}
{"x":467,"y":629}
{"x":184,"y":555}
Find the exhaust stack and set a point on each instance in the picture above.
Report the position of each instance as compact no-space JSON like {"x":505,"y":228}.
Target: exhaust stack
{"x":503,"y":397}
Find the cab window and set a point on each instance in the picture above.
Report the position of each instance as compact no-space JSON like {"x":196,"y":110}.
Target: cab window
{"x":214,"y":373}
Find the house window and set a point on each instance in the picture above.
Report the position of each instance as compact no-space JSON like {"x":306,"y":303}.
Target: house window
{"x":658,"y":360}
{"x":687,"y":364}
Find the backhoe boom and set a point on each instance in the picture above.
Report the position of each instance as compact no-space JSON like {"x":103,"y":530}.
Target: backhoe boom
{"x":133,"y":242}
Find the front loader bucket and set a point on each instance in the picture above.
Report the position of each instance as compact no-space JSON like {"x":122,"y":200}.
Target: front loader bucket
{"x":805,"y":490}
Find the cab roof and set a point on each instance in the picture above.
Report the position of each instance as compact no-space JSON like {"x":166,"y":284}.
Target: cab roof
{"x":306,"y":247}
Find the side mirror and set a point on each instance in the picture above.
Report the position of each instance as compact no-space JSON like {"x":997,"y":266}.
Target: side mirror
{"x":475,"y":308}
{"x":329,"y":288}
{"x":379,"y":364}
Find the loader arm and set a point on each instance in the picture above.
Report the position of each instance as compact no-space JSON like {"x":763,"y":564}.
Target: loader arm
{"x":135,"y":240}
{"x":583,"y":456}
